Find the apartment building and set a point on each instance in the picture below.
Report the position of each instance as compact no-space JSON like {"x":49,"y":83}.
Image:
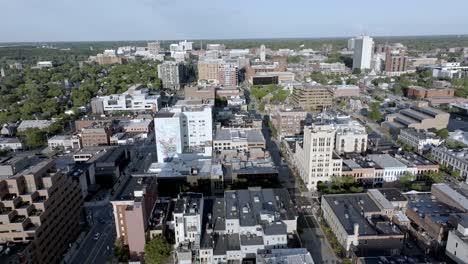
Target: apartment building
{"x":186,"y":127}
{"x":132,"y":210}
{"x":238,"y":139}
{"x":135,"y":99}
{"x":396,"y":62}
{"x":228,"y":75}
{"x":419,"y":116}
{"x":312,"y":97}
{"x":361,"y":222}
{"x":172,"y":74}
{"x":456,"y":159}
{"x":314,"y":156}
{"x":41,"y":210}
{"x":288,"y":122}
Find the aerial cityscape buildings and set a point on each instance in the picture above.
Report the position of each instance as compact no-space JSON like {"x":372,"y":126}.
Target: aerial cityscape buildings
{"x":235,"y":151}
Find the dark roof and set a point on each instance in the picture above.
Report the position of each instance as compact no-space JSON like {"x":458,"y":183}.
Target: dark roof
{"x":393,"y":195}
{"x":250,"y":240}
{"x":349,"y":210}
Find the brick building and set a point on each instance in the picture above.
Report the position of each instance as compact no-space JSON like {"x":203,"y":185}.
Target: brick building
{"x":417,"y":92}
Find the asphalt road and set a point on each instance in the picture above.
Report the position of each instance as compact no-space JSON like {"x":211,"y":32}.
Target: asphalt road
{"x":312,"y":237}
{"x":101,"y":250}
{"x":315,"y":241}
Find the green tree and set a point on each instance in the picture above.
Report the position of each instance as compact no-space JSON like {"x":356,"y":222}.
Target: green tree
{"x":357,"y":71}
{"x":407,"y":179}
{"x":280,"y":96}
{"x":121,"y":251}
{"x":33,"y":138}
{"x":157,"y":251}
{"x":374,"y":113}
{"x":456,"y":174}
{"x":294,"y":59}
{"x":434,"y":177}
{"x":443,"y":133}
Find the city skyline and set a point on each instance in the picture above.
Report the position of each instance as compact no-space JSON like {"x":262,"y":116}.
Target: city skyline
{"x":125,"y":20}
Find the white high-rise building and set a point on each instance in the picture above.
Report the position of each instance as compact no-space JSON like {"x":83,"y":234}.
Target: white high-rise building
{"x":362,"y":52}
{"x":187,"y":127}
{"x":262,"y":53}
{"x":314,"y":157}
{"x":351,"y":44}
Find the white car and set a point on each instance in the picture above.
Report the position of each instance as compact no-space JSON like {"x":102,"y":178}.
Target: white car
{"x":96,"y":236}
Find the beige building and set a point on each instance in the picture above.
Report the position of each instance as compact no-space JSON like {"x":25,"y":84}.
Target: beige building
{"x":312,"y":97}
{"x":208,"y":69}
{"x":419,"y":116}
{"x":40,"y":213}
{"x":288,"y":122}
{"x":314,"y":156}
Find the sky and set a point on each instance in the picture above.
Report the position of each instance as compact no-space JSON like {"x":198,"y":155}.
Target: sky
{"x":102,"y":20}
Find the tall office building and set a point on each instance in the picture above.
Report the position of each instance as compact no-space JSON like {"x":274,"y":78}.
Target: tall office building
{"x":362,"y":52}
{"x":262,"y":53}
{"x":314,"y":155}
{"x":172,"y":74}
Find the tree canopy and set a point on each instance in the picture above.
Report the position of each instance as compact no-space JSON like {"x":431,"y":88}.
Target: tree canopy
{"x":157,"y":251}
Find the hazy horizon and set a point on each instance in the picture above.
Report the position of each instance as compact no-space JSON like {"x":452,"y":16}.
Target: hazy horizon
{"x":126,"y":20}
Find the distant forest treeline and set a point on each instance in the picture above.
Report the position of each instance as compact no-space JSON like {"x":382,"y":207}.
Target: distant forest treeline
{"x":77,"y":51}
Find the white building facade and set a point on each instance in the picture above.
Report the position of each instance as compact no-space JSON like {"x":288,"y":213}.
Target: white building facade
{"x":314,"y":157}
{"x":362,"y":56}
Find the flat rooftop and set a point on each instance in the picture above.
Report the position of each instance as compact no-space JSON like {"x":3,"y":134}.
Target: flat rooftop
{"x":393,"y":195}
{"x":349,"y":209}
{"x":386,"y":161}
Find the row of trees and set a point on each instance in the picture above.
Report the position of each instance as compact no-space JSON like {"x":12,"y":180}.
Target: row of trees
{"x":41,"y":93}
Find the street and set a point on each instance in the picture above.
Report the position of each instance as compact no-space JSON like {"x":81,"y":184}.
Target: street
{"x":101,"y":250}
{"x":311,"y":236}
{"x":315,"y":241}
